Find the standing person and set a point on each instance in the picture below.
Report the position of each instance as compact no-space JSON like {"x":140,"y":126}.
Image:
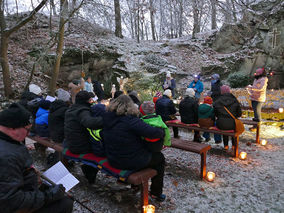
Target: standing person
{"x":188,"y":109}
{"x":99,"y":90}
{"x":89,"y":85}
{"x":197,"y":85}
{"x":258,"y":93}
{"x":125,"y":149}
{"x":77,"y":119}
{"x":170,"y":84}
{"x":74,"y":87}
{"x":215,"y":86}
{"x":166,"y":109}
{"x":19,"y":188}
{"x":224,"y":119}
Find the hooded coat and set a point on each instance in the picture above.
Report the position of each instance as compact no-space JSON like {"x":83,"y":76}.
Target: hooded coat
{"x":123,"y":142}
{"x":165,"y":107}
{"x":206,"y":115}
{"x":77,"y":119}
{"x":224,"y":119}
{"x":188,"y":109}
{"x":56,"y":120}
{"x":41,"y":122}
{"x":216,"y":89}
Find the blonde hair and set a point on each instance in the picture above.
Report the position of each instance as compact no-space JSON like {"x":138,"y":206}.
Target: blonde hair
{"x":123,"y":105}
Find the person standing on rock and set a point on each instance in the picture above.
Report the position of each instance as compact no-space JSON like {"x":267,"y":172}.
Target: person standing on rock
{"x":197,"y":86}
{"x":74,"y":87}
{"x":257,"y":93}
{"x":88,"y":85}
{"x":170,"y":84}
{"x":215,"y":86}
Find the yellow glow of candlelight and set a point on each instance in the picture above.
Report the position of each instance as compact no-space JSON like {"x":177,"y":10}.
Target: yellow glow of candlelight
{"x":149,"y":209}
{"x":281,"y":110}
{"x":263,"y":142}
{"x":210,"y":176}
{"x":243,"y":155}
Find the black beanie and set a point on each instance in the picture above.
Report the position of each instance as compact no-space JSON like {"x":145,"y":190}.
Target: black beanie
{"x":15,"y":116}
{"x":82,"y":97}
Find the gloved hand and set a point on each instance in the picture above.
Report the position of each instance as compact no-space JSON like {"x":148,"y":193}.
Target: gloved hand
{"x":54,"y":193}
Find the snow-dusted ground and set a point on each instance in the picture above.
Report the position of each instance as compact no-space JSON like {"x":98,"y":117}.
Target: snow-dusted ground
{"x":252,"y":185}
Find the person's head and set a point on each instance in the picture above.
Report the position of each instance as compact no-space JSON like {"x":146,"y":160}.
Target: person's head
{"x":147,"y":107}
{"x":123,"y":105}
{"x":207,"y":100}
{"x":16,"y":122}
{"x":168,"y":76}
{"x":117,"y":94}
{"x":215,"y":77}
{"x":225,"y":89}
{"x":189,"y":92}
{"x":35,"y":89}
{"x":98,"y":110}
{"x":168,"y":93}
{"x":84,"y":98}
{"x":196,"y":77}
{"x":63,"y":95}
{"x":89,"y":79}
{"x":260,"y":72}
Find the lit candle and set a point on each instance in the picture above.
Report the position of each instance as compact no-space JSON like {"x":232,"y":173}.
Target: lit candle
{"x":281,"y":110}
{"x":149,"y":209}
{"x":263,"y":142}
{"x":210,"y":176}
{"x":175,"y":101}
{"x":243,"y":155}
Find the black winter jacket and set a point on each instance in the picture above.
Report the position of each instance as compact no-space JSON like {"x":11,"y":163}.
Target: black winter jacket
{"x":18,"y":180}
{"x":123,"y":142}
{"x":216,"y":90}
{"x":165,"y":107}
{"x":224,"y":120}
{"x":77,"y":119}
{"x":188,"y":109}
{"x":56,"y":120}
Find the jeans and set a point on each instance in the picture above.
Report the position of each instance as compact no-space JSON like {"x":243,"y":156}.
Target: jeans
{"x":65,"y":205}
{"x":256,"y":110}
{"x":217,"y":137}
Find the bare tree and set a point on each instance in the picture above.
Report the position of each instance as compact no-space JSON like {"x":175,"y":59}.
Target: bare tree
{"x":196,"y":23}
{"x":213,"y":15}
{"x":152,"y":18}
{"x":118,"y":31}
{"x":5,"y":35}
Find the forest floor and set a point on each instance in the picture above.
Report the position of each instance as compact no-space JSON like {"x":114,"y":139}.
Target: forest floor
{"x":251,"y":185}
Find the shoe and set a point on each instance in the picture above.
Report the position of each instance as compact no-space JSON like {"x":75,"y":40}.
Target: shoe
{"x":177,"y":136}
{"x":252,"y":129}
{"x":218,"y":142}
{"x":90,"y":173}
{"x":160,"y":198}
{"x":226,"y":147}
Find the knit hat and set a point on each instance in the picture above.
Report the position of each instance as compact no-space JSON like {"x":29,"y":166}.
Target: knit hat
{"x":98,"y":110}
{"x":168,"y":93}
{"x":34,"y":89}
{"x":15,"y":116}
{"x":207,"y":100}
{"x":147,"y":107}
{"x":196,"y":76}
{"x":63,"y":95}
{"x":259,"y":71}
{"x":216,"y":76}
{"x":44,"y":104}
{"x":82,"y":97}
{"x":225,"y":89}
{"x":168,"y":75}
{"x":189,"y":92}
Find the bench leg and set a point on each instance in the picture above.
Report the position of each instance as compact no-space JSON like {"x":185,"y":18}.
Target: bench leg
{"x":203,"y":165}
{"x":144,"y":194}
{"x":257,"y":132}
{"x":236,"y":147}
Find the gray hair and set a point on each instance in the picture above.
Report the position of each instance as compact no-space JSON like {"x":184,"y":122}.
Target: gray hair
{"x":123,"y":105}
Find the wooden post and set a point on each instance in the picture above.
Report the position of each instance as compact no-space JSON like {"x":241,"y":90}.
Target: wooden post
{"x":203,"y":165}
{"x":257,"y":132}
{"x":236,"y":149}
{"x":144,"y":194}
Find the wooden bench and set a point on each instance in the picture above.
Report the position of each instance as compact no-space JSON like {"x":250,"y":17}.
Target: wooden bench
{"x":139,"y":178}
{"x":254,"y":123}
{"x":178,"y":123}
{"x":193,"y":147}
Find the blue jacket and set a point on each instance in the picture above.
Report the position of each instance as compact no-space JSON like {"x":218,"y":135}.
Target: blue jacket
{"x":42,"y":116}
{"x":198,"y":86}
{"x":123,"y":142}
{"x":165,"y":107}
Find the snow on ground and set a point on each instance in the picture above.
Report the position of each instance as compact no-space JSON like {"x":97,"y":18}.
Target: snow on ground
{"x":252,"y":185}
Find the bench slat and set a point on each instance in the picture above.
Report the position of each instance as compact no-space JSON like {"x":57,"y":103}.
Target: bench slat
{"x":189,"y":146}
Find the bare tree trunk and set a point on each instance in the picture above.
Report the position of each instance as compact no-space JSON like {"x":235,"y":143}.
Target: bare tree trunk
{"x":131,"y":20}
{"x":17,"y":9}
{"x":180,"y":18}
{"x":138,"y":21}
{"x":171,"y":19}
{"x":161,"y":20}
{"x":196,"y":24}
{"x":53,"y":7}
{"x":118,"y":31}
{"x":213,"y":15}
{"x":152,"y":18}
{"x":234,"y":11}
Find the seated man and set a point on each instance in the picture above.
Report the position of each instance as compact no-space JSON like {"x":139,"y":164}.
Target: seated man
{"x":19,"y":188}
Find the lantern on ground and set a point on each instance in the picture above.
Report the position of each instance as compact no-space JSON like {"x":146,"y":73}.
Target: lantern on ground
{"x":210,"y":176}
{"x":281,"y":110}
{"x":149,"y":209}
{"x":243,"y":155}
{"x":263,"y":142}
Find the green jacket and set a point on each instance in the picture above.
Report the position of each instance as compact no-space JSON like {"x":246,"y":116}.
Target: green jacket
{"x":156,"y":121}
{"x":206,"y":111}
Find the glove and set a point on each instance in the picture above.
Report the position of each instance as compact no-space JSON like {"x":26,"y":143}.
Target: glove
{"x":54,"y":193}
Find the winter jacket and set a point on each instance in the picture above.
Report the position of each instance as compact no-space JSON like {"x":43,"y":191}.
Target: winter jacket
{"x":18,"y":181}
{"x":41,"y":123}
{"x":98,"y":90}
{"x":198,"y":86}
{"x":188,"y":109}
{"x":258,"y":89}
{"x":97,"y":144}
{"x":89,"y":87}
{"x":171,"y":87}
{"x":77,"y":119}
{"x":123,"y":142}
{"x":224,"y":120}
{"x":56,"y":120}
{"x":216,"y":90}
{"x":206,"y":115}
{"x":156,"y":145}
{"x":165,"y":107}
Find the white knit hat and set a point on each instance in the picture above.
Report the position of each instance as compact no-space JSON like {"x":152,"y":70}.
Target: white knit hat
{"x":189,"y":92}
{"x":63,"y":95}
{"x":168,"y":75}
{"x":168,"y":93}
{"x":34,"y":89}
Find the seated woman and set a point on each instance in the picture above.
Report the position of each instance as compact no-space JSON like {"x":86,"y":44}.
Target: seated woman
{"x":125,"y":149}
{"x":224,"y":119}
